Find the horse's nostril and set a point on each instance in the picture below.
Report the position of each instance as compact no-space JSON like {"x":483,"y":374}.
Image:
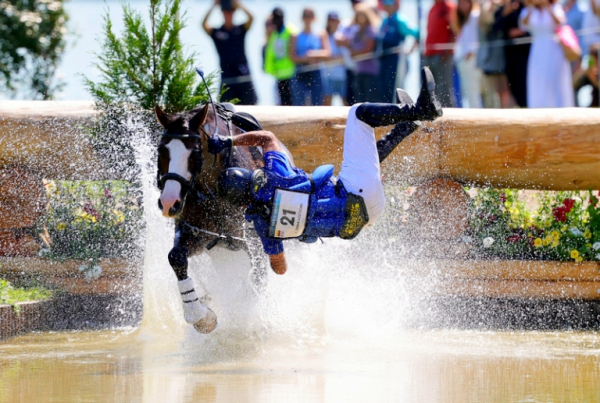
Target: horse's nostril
{"x":176,"y":205}
{"x":160,"y":206}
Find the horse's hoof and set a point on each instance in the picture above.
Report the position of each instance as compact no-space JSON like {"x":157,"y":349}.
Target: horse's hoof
{"x":206,"y":324}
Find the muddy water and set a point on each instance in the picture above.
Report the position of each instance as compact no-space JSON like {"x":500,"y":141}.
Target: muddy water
{"x":425,"y":366}
{"x":332,"y":329}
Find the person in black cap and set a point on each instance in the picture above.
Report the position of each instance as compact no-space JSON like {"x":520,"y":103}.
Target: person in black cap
{"x":230,"y":40}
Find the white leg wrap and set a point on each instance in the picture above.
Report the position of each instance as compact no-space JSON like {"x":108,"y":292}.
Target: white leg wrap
{"x":193,"y":310}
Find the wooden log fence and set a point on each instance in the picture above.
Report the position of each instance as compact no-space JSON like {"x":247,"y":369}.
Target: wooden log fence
{"x":541,"y":149}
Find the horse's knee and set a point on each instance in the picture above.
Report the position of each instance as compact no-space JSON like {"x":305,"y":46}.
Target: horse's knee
{"x":178,"y":259}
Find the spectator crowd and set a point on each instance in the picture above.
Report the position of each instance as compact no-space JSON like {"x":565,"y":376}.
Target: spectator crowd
{"x":482,"y":53}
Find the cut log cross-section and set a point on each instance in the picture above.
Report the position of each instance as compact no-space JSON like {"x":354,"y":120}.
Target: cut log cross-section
{"x":22,"y":198}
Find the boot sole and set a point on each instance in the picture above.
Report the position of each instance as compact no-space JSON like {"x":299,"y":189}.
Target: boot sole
{"x":427,"y":77}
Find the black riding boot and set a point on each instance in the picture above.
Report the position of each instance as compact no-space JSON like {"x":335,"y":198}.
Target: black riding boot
{"x":401,"y":131}
{"x":427,"y":107}
{"x":387,"y":143}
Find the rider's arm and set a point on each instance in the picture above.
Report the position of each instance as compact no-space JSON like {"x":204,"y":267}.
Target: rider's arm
{"x":240,"y":6}
{"x":205,"y":25}
{"x":272,"y":247}
{"x":262,"y":138}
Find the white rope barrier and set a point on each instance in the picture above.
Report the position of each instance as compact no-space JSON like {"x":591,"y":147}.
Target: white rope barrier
{"x":400,"y":49}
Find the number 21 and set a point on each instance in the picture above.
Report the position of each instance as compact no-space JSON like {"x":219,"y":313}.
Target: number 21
{"x":286,"y":220}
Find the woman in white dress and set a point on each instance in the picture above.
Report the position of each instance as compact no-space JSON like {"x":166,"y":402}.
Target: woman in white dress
{"x":464,"y":21}
{"x":549,"y":82}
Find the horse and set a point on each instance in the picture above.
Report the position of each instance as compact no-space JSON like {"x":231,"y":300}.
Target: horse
{"x":187,"y":177}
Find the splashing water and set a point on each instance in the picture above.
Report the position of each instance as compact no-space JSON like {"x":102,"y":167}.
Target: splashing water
{"x":338,"y":326}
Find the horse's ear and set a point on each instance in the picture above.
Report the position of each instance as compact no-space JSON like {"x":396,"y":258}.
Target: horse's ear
{"x":199,"y":118}
{"x":163,"y":118}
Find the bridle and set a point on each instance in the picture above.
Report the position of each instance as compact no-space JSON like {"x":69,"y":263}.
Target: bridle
{"x":186,"y":185}
{"x":189,"y":185}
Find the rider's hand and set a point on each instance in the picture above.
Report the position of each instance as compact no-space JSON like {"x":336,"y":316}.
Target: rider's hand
{"x":218,"y":143}
{"x":278,"y":263}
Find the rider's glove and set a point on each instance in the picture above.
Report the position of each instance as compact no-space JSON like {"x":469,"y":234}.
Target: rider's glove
{"x":218,"y":143}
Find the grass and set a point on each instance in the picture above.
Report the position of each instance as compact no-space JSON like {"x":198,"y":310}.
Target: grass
{"x":10,"y":295}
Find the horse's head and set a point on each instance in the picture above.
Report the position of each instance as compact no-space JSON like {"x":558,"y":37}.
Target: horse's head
{"x":179,"y":157}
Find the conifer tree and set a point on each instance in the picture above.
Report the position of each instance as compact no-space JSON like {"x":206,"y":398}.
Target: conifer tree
{"x":145,"y":67}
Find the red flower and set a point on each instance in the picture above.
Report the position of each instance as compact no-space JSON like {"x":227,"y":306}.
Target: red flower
{"x":107,"y":194}
{"x":593,"y":201}
{"x":513,"y":239}
{"x":569,"y":203}
{"x":503,"y":197}
{"x":560,"y":213}
{"x":89,"y":208}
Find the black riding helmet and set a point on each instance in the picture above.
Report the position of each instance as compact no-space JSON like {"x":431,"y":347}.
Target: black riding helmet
{"x":235,"y":186}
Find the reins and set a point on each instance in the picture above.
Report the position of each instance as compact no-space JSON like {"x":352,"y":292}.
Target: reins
{"x":189,"y":185}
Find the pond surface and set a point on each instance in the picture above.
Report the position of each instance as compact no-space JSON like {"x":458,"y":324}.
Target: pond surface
{"x":424,"y":366}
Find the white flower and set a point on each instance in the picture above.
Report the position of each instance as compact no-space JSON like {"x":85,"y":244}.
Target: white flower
{"x":576,"y":231}
{"x":598,"y":256}
{"x":487,"y":242}
{"x":596,"y":246}
{"x":96,"y":271}
{"x":83,"y":268}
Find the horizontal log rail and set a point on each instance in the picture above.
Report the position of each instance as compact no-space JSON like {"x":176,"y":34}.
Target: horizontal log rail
{"x":556,"y":149}
{"x":119,"y":276}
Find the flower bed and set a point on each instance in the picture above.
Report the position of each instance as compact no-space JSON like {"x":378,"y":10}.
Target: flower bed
{"x":89,"y":220}
{"x":509,"y":224}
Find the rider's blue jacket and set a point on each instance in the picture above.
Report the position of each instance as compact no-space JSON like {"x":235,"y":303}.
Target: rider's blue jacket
{"x":322,"y":217}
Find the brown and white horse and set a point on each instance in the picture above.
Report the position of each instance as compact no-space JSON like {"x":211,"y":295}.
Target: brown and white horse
{"x":187,"y":176}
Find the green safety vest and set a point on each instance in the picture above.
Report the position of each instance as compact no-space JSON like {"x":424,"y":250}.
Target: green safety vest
{"x":277,"y":60}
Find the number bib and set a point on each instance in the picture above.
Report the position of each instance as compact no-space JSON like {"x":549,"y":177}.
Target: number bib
{"x":290,"y":209}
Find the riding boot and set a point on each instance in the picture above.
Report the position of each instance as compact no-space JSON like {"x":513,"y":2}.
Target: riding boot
{"x":427,"y":107}
{"x":387,"y":143}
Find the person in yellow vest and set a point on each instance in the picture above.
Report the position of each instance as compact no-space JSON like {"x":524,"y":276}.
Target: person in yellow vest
{"x":277,"y":59}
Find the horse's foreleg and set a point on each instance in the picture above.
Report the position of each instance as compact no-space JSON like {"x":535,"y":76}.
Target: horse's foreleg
{"x":194,"y":312}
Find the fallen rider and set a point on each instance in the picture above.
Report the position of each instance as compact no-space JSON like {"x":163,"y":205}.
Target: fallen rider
{"x":284,"y":202}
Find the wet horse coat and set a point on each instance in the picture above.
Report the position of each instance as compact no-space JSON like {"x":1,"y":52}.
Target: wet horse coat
{"x":202,"y":219}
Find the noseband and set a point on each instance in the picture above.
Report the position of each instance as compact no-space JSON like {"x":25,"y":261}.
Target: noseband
{"x":186,"y":185}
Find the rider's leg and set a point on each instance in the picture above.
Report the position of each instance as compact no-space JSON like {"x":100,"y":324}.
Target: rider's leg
{"x":427,"y":107}
{"x":402,"y":130}
{"x":360,"y":173}
{"x":386,"y":144}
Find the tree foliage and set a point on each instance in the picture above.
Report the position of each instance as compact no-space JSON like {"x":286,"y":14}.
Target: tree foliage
{"x":144,"y":66}
{"x":31,"y":44}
